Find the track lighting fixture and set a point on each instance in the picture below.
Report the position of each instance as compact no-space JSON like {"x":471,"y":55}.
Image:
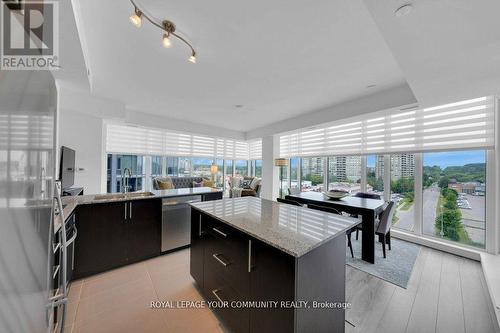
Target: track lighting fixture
{"x":166,"y":41}
{"x":136,"y":18}
{"x":192,"y":58}
{"x":167,"y":26}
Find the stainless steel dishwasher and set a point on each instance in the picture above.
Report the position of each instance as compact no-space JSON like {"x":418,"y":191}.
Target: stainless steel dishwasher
{"x":176,"y":222}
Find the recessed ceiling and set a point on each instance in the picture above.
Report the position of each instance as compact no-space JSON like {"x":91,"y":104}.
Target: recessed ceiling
{"x":279,"y":59}
{"x":448,"y":50}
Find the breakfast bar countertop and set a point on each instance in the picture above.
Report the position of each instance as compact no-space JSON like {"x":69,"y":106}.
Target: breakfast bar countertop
{"x":292,"y":229}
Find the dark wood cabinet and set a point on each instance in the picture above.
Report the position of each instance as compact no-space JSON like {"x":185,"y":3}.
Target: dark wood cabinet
{"x":229,"y":265}
{"x":271,"y":279}
{"x":144,"y":230}
{"x":212,"y":196}
{"x":197,"y":247}
{"x":114,"y":234}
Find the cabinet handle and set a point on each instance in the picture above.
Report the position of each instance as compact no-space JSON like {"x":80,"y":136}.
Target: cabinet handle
{"x":215,"y":291}
{"x":216,"y":257}
{"x":249,"y":255}
{"x":125,"y":210}
{"x":199,"y":224}
{"x":130,"y":210}
{"x":219,"y":232}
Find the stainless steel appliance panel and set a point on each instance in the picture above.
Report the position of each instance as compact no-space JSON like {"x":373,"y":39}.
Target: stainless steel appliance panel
{"x":27,"y":173}
{"x":176,"y":222}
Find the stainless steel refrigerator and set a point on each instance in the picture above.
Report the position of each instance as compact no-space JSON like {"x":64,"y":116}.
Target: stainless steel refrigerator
{"x":32,"y":291}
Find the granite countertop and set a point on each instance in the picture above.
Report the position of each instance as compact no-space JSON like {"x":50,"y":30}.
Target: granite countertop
{"x":71,"y":202}
{"x":292,"y":229}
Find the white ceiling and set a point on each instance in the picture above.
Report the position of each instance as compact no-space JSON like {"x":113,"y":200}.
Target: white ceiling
{"x":448,"y":50}
{"x":280,"y":59}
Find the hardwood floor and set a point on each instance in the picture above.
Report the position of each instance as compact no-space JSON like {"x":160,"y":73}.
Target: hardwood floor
{"x":446,"y":293}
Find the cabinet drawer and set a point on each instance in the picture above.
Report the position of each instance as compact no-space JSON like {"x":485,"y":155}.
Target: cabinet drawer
{"x":220,"y":257}
{"x":217,"y":289}
{"x":235,"y":240}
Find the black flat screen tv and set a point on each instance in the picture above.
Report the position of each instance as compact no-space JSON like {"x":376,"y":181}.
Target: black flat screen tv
{"x":67,"y":167}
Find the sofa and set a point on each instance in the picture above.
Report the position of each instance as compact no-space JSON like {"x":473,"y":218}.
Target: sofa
{"x":178,"y":182}
{"x":253,"y":190}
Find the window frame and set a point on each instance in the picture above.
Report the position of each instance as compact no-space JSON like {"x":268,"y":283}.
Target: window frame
{"x":417,"y":235}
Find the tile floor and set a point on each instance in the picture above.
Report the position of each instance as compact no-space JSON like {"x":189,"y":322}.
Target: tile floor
{"x":119,"y":300}
{"x":445,"y":294}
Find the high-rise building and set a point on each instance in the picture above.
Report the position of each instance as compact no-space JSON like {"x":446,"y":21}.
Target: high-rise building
{"x":345,"y":168}
{"x":402,"y":165}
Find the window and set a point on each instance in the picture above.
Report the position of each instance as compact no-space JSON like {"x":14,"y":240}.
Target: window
{"x":294,"y":175}
{"x":219,"y":180}
{"x":228,"y":172}
{"x":241,"y":167}
{"x":116,"y":167}
{"x":344,"y":172}
{"x":156,"y":166}
{"x":375,"y":174}
{"x":454,"y":196}
{"x":172,"y":166}
{"x":403,"y":190}
{"x":201,"y":167}
{"x":283,"y":174}
{"x":258,"y":168}
{"x":312,"y":174}
{"x":184,"y":169}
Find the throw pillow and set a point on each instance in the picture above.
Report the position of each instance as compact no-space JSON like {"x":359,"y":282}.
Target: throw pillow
{"x":208,"y":183}
{"x":164,"y":184}
{"x":196,"y":184}
{"x":245,"y":183}
{"x":254,"y":183}
{"x":235,"y":182}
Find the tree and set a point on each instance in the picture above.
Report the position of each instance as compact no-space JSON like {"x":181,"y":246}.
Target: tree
{"x":452,"y":224}
{"x":443,"y":182}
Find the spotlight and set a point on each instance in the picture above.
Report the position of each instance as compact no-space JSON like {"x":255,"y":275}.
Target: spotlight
{"x":136,"y":18}
{"x":166,"y":41}
{"x":192,"y":58}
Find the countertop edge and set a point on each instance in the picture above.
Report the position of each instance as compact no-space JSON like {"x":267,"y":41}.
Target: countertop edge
{"x":72,"y":201}
{"x":287,"y":251}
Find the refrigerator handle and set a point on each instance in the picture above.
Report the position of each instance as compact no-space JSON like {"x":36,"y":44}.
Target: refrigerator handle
{"x":62,"y":302}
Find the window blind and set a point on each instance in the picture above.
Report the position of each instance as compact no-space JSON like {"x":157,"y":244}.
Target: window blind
{"x":126,"y":139}
{"x":26,"y":132}
{"x":255,"y":150}
{"x":467,"y":124}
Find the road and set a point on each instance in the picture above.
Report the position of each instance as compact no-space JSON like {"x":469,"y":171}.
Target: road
{"x":430,"y":200}
{"x":473,"y":219}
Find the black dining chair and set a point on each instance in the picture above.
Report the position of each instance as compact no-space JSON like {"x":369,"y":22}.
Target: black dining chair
{"x":290,"y":202}
{"x":334,"y":211}
{"x":366,"y":196}
{"x":383,"y":228}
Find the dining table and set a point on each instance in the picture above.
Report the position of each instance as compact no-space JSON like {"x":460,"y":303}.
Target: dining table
{"x":368,"y":209}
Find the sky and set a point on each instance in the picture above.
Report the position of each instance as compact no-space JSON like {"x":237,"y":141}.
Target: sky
{"x":445,"y":159}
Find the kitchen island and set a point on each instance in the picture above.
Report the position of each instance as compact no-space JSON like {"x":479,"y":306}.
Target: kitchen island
{"x":271,"y":267}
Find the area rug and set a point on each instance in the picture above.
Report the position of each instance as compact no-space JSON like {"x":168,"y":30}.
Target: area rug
{"x":396,"y":268}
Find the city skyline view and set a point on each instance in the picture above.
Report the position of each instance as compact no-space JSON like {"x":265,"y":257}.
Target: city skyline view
{"x":444,"y":159}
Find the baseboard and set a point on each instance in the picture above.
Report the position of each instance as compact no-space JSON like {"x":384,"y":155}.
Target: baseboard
{"x":491,"y":271}
{"x":438,"y":245}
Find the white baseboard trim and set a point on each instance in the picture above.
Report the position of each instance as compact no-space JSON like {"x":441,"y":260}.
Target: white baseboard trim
{"x":491,"y":270}
{"x":438,"y":244}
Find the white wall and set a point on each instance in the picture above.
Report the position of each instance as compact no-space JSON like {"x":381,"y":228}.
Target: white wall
{"x":270,"y":176}
{"x":83,"y":133}
{"x":80,"y":127}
